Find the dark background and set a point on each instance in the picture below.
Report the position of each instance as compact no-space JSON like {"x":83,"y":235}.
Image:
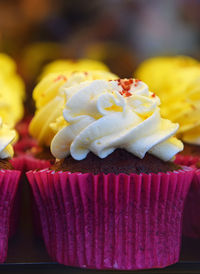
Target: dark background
{"x":120,"y":33}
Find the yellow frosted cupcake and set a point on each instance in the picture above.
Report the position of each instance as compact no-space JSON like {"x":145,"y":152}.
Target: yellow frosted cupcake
{"x":68,"y":66}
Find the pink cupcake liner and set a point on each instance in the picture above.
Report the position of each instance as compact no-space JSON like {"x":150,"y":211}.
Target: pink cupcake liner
{"x":9,"y":180}
{"x":32,"y":163}
{"x":111,"y":221}
{"x":23,"y":145}
{"x":186,"y":160}
{"x":191,"y":218}
{"x":18,"y":163}
{"x":22,"y":127}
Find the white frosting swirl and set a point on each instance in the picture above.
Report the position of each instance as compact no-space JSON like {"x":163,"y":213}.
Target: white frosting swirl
{"x":7,"y":136}
{"x":105,"y":115}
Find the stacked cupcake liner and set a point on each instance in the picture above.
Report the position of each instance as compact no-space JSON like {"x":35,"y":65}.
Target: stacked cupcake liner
{"x":111,"y":221}
{"x":191,"y":218}
{"x":28,"y":162}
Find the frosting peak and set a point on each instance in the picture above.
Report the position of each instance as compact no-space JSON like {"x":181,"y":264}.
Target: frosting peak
{"x":104,"y":115}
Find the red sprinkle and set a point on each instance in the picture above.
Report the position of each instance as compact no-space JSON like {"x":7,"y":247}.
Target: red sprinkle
{"x":153,"y":95}
{"x":125,"y":93}
{"x":126,"y":86}
{"x":60,"y":77}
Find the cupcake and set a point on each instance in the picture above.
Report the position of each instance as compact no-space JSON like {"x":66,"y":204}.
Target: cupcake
{"x":9,"y":198}
{"x":113,"y":199}
{"x":50,"y":102}
{"x":183,"y":83}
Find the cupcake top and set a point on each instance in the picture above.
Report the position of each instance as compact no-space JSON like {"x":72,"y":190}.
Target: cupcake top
{"x":68,"y":65}
{"x":104,"y":115}
{"x":50,"y":100}
{"x":7,"y":136}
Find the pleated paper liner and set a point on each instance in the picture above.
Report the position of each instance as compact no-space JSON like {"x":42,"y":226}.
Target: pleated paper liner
{"x":18,"y":163}
{"x":23,"y":126}
{"x":9,"y":180}
{"x":32,"y":163}
{"x":111,"y":221}
{"x":191,"y":216}
{"x":24,"y":145}
{"x":187,"y":160}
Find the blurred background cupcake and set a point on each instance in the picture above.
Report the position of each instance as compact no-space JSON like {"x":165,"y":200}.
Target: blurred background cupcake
{"x":177,"y":81}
